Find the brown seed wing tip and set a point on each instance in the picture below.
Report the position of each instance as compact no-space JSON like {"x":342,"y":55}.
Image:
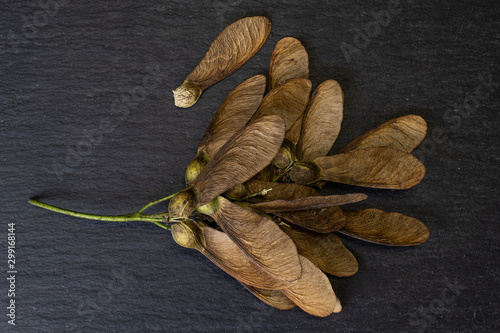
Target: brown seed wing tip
{"x":338,"y":306}
{"x":417,"y":119}
{"x":425,"y":235}
{"x":418,"y":175}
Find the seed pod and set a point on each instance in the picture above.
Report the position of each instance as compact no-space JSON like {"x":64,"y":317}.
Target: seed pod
{"x":305,"y":173}
{"x":274,"y":298}
{"x":288,"y":61}
{"x":313,"y":292}
{"x":183,"y":203}
{"x":195,"y":166}
{"x":286,"y":155}
{"x":324,"y":250}
{"x":377,"y":226}
{"x":404,"y":133}
{"x":288,"y":100}
{"x":234,"y":46}
{"x":321,"y":122}
{"x":260,"y":238}
{"x":188,"y":234}
{"x":248,"y":152}
{"x":235,"y":111}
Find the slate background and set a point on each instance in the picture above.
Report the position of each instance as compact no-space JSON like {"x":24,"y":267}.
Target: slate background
{"x":62,"y":76}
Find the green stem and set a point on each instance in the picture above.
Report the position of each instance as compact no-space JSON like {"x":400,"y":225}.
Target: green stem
{"x":152,"y":203}
{"x":137,"y":216}
{"x":278,"y":176}
{"x":284,"y":171}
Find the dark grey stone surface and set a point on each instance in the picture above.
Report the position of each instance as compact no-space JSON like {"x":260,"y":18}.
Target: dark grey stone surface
{"x":67,"y":69}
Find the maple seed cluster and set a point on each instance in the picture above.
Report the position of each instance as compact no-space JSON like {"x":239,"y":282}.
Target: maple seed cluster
{"x":251,"y":205}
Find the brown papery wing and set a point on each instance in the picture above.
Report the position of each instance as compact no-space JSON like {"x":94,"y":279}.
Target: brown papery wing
{"x":404,"y":133}
{"x":312,"y":202}
{"x":288,"y":61}
{"x":380,"y":167}
{"x":233,"y":114}
{"x":378,"y":226}
{"x":325,"y":251}
{"x":274,"y":298}
{"x":313,"y":292}
{"x":261,"y":239}
{"x":323,"y":220}
{"x":293,"y":133}
{"x":288,"y":100}
{"x":321,"y":123}
{"x":234,"y":46}
{"x":223,"y":252}
{"x":248,"y":152}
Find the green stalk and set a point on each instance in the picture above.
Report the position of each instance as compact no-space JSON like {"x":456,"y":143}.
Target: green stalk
{"x":152,"y":203}
{"x":284,"y":171}
{"x":137,"y":216}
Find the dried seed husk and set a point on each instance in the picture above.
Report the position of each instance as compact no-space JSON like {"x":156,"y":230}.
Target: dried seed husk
{"x":286,"y":155}
{"x":195,"y":166}
{"x":235,"y":111}
{"x":288,"y":100}
{"x":188,"y":234}
{"x":378,"y":226}
{"x":313,"y":292}
{"x":234,"y":46}
{"x":261,"y":239}
{"x":403,"y":133}
{"x":305,"y":173}
{"x":323,"y":220}
{"x":324,"y":250}
{"x":288,"y":61}
{"x":311,"y":202}
{"x":274,"y":298}
{"x":379,"y":167}
{"x":183,"y":203}
{"x":249,"y":151}
{"x":224,"y":253}
{"x":321,"y":122}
